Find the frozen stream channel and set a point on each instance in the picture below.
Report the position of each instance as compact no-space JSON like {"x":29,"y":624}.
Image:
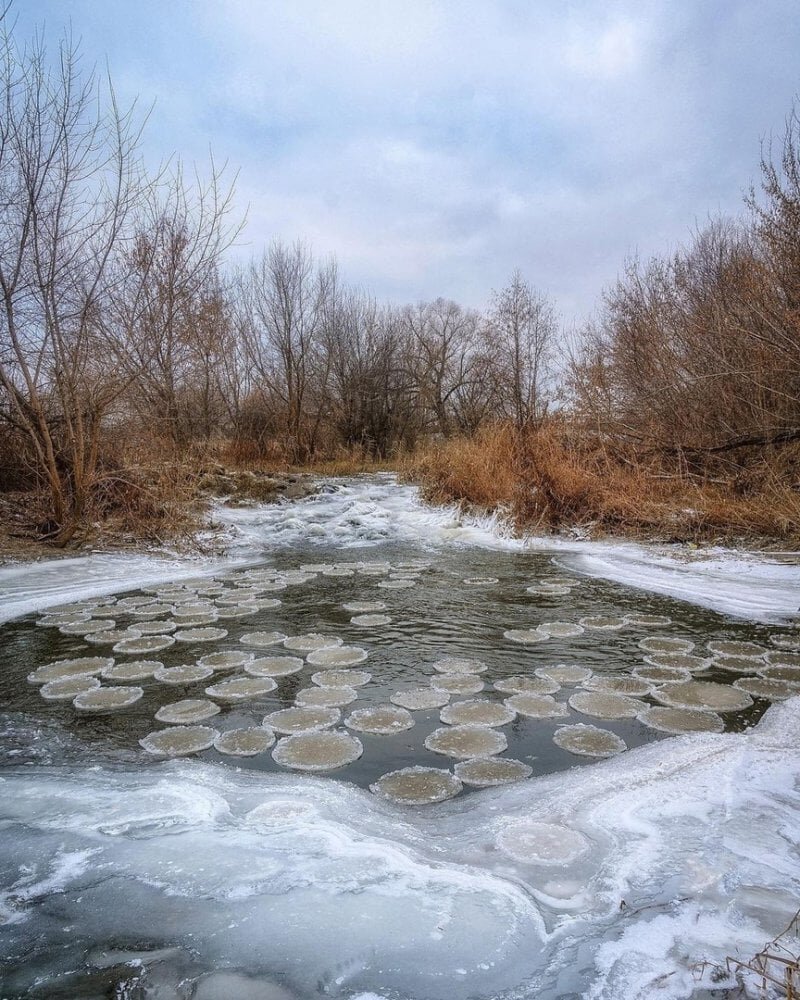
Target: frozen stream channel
{"x":127,"y":874}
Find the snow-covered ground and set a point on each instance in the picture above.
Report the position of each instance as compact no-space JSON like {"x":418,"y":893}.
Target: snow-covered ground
{"x":364,"y":512}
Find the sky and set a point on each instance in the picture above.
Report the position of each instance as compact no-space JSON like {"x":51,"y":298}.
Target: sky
{"x":434,"y":146}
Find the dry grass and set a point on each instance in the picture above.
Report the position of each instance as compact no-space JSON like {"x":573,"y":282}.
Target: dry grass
{"x":562,"y":476}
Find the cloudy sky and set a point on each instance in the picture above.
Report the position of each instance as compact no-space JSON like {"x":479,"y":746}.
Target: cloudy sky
{"x":435,"y":145}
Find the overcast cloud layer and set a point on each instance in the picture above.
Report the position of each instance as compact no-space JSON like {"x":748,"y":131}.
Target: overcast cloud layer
{"x":435,"y":146}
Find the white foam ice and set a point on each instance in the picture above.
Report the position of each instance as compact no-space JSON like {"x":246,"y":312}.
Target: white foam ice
{"x":696,"y":835}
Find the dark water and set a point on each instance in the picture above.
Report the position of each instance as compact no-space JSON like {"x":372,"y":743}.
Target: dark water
{"x":439,"y":616}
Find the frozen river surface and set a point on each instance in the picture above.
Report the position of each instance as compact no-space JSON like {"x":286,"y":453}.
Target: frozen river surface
{"x":124,"y":874}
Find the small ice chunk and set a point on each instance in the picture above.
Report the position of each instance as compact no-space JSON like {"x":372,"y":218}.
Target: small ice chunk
{"x":633,"y":687}
{"x":589,"y":741}
{"x":364,"y":607}
{"x":201,"y":634}
{"x":156,"y":626}
{"x":82,"y":666}
{"x":274,"y":666}
{"x":457,"y":683}
{"x":564,"y":673}
{"x":225,"y":660}
{"x":420,"y":699}
{"x":648,"y":621}
{"x":245,"y":742}
{"x":481,"y":581}
{"x":704,"y":695}
{"x":371,"y":621}
{"x":681,"y":720}
{"x":188,"y":710}
{"x":66,"y":688}
{"x":187,"y":673}
{"x":417,"y":786}
{"x":318,"y":751}
{"x":310,"y":642}
{"x":736,"y":664}
{"x":661,"y":675}
{"x":108,"y":637}
{"x":145,"y":644}
{"x":603,"y":623}
{"x":337,"y":656}
{"x":780,"y":672}
{"x":559,"y":630}
{"x":262,"y":640}
{"x":604,"y":705}
{"x":486,"y":772}
{"x":382,"y":720}
{"x":107,"y":699}
{"x":134,"y":670}
{"x":520,"y":684}
{"x":762,"y":687}
{"x":537,"y":706}
{"x":326,"y":697}
{"x":341,"y":678}
{"x":459,"y":665}
{"x":524,"y":636}
{"x":85,"y":626}
{"x":728,"y":647}
{"x":178,"y":741}
{"x":241,"y":688}
{"x":548,"y":590}
{"x":530,"y":842}
{"x":302,"y":720}
{"x":466,"y":741}
{"x":783,"y":658}
{"x":683,"y":661}
{"x":665,"y":644}
{"x":477,"y":712}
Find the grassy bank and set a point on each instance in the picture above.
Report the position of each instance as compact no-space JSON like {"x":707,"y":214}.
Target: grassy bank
{"x":561,"y":478}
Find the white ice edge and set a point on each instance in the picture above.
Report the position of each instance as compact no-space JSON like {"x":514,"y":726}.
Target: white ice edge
{"x":366,"y":511}
{"x":698,"y":836}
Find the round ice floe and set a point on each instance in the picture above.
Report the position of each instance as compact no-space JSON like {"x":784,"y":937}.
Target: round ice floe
{"x":341,"y":678}
{"x":564,"y":673}
{"x":477,"y":712}
{"x":178,"y":741}
{"x":457,"y":683}
{"x":420,"y":699}
{"x":274,"y":666}
{"x":481,"y":581}
{"x":417,"y":786}
{"x":107,"y":699}
{"x":133,"y":602}
{"x":310,"y":642}
{"x":459,"y":665}
{"x":158,"y":626}
{"x":188,"y":710}
{"x":704,"y":695}
{"x":485,"y":772}
{"x":78,"y":607}
{"x":364,"y":607}
{"x":225,"y":660}
{"x":134,"y":670}
{"x":319,"y":751}
{"x":783,"y":658}
{"x":337,"y":656}
{"x":66,"y":688}
{"x":144,"y":644}
{"x":548,"y":590}
{"x":777,"y":672}
{"x":535,"y":843}
{"x":63,"y":618}
{"x":82,"y":666}
{"x":681,"y":720}
{"x":665,"y":644}
{"x":762,"y":687}
{"x":604,"y":705}
{"x":201,"y":634}
{"x":371,"y":621}
{"x":727,"y":647}
{"x":262,"y":640}
{"x":588,"y":741}
{"x":382,"y":720}
{"x":466,"y":741}
{"x":633,"y":687}
{"x":195,"y":621}
{"x":682,"y":661}
{"x":736,"y":664}
{"x":109,"y":637}
{"x":661,"y":675}
{"x":326,"y":697}
{"x":245,"y":742}
{"x":302,"y":720}
{"x":241,"y":688}
{"x":396,"y":584}
{"x":537,"y":706}
{"x":85,"y":626}
{"x":654,"y":621}
{"x":559,"y":630}
{"x":520,"y":684}
{"x":603,"y":623}
{"x":524,"y":636}
{"x":231,"y":614}
{"x":339,"y":571}
{"x":187,"y":673}
{"x":788,"y":642}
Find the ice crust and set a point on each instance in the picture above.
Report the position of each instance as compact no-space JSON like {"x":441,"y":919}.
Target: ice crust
{"x":431,"y":909}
